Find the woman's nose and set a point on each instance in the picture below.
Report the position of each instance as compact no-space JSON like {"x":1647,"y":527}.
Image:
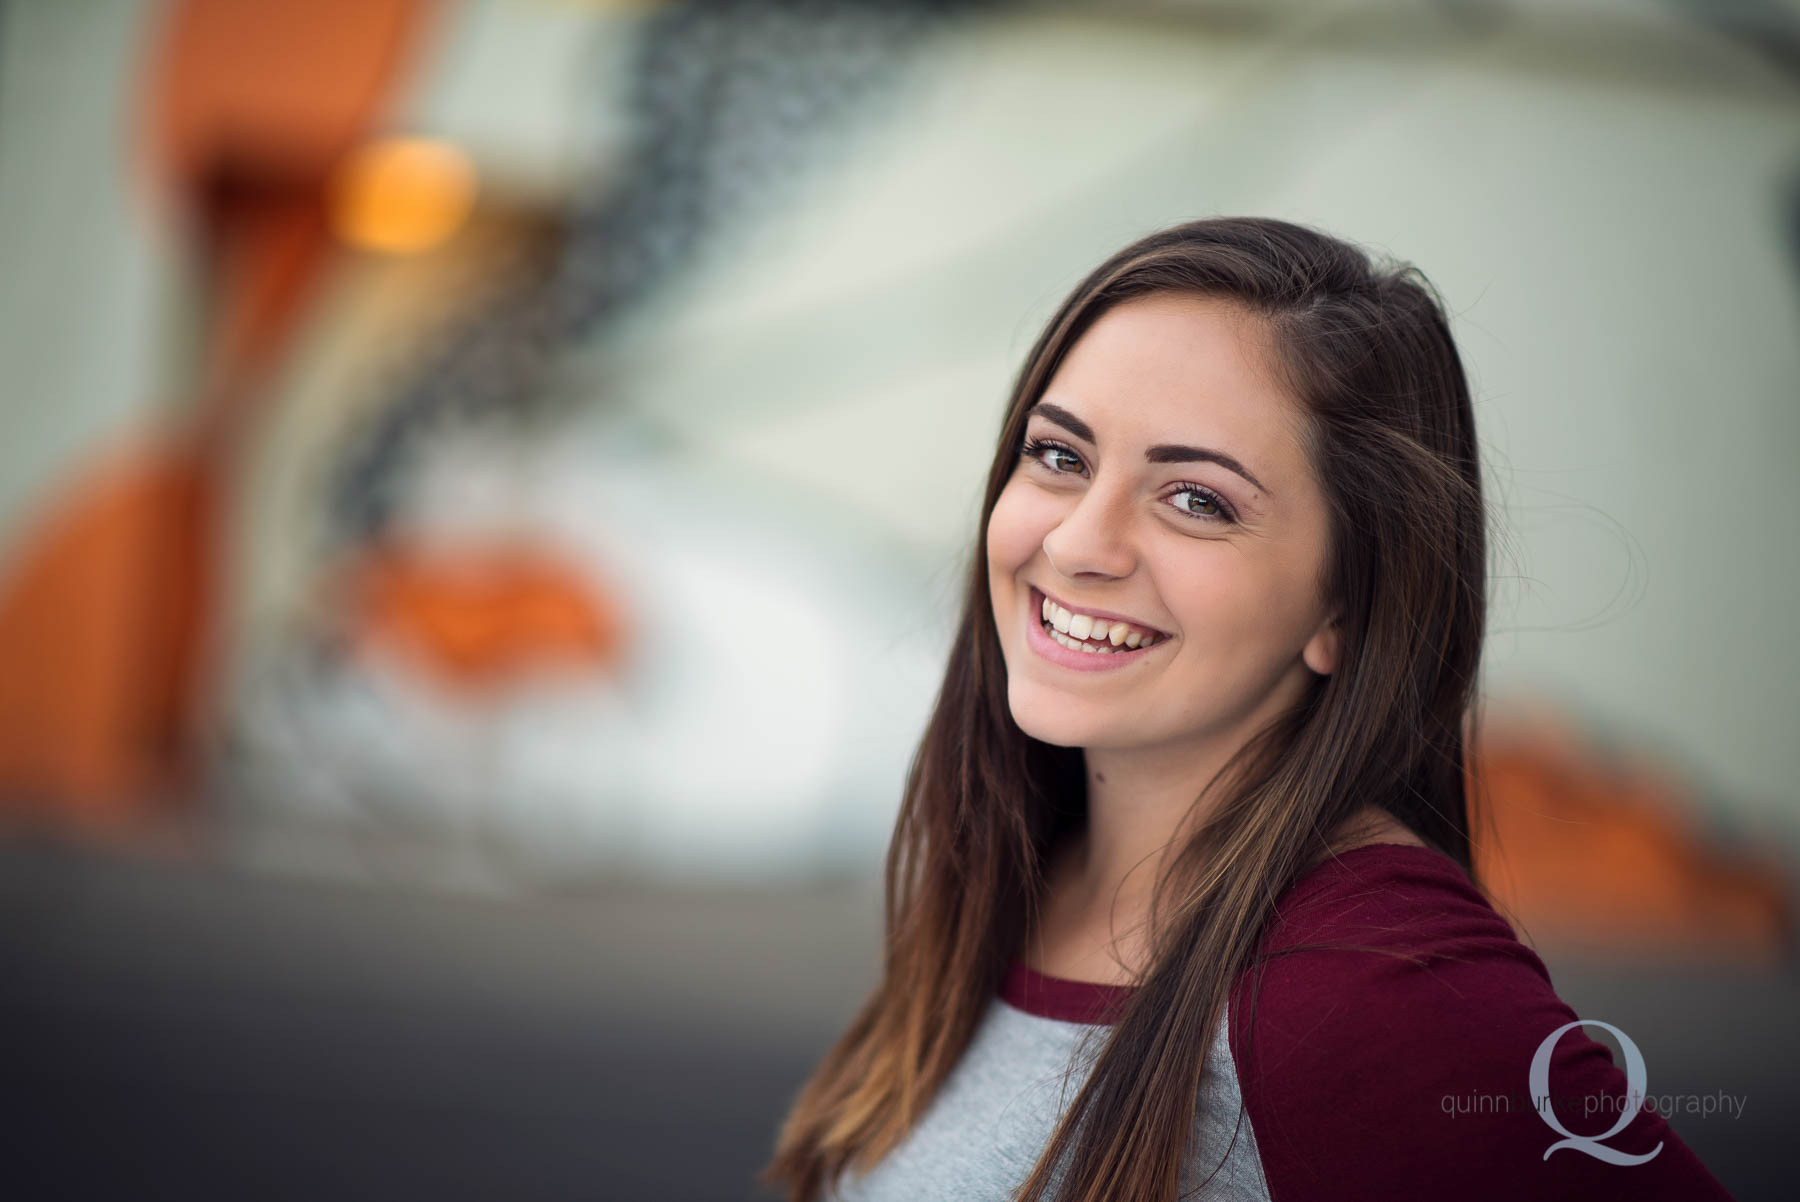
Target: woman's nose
{"x":1093,"y":538}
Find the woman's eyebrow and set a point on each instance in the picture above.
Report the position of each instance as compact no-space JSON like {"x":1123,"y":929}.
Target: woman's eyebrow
{"x":1161,"y":453}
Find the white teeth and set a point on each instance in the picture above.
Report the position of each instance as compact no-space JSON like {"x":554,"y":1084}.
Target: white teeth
{"x":1076,"y":626}
{"x":1072,"y":645}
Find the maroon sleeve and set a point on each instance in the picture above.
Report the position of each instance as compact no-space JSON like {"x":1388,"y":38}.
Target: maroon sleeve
{"x":1368,"y":1075}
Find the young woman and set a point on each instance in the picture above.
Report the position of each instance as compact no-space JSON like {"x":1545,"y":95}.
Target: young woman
{"x":1180,"y":901}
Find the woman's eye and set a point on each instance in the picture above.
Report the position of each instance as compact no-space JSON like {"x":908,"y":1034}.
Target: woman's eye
{"x":1207,"y":504}
{"x":1050,"y":454}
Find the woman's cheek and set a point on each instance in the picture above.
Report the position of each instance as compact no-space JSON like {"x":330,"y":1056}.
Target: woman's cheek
{"x":1215,"y":595}
{"x":1014,"y":529}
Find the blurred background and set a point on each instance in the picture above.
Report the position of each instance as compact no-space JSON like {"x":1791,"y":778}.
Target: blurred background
{"x":484,"y":486}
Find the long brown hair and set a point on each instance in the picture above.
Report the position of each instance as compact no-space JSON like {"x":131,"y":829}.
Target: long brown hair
{"x":1367,"y":351}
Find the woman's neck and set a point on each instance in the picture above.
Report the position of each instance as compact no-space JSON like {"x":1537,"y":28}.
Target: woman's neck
{"x":1140,"y":801}
{"x":1092,"y":920}
{"x":1100,"y":875}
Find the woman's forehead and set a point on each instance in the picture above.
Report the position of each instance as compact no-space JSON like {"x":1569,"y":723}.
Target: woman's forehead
{"x":1184,"y":370}
{"x":1176,"y":349}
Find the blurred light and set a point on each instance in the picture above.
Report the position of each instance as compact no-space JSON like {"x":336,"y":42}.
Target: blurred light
{"x":401,"y":195}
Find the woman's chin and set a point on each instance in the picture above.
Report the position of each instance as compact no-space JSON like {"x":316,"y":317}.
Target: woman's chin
{"x":1048,"y":719}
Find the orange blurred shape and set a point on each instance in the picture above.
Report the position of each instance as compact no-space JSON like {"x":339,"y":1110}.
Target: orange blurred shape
{"x":103,"y":614}
{"x":1599,"y":853}
{"x":401,"y":195}
{"x":250,"y":109}
{"x":278,"y":88}
{"x":478,"y":618}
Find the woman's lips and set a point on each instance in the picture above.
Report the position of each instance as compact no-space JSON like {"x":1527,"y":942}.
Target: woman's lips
{"x":1048,"y":648}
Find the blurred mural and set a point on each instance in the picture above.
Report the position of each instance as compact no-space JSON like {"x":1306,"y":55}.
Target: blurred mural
{"x":515,"y":446}
{"x":517,"y":441}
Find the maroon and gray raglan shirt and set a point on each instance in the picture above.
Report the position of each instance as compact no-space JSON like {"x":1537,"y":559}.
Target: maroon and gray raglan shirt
{"x":1425,"y":1056}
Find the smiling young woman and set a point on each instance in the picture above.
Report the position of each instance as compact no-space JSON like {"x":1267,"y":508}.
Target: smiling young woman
{"x":1180,"y":900}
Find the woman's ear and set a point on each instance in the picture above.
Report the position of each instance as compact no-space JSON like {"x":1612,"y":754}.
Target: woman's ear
{"x":1321,"y":651}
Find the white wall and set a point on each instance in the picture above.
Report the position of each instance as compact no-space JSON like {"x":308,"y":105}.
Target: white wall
{"x":81,"y":267}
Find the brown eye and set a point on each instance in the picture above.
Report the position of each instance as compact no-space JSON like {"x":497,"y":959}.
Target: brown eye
{"x":1037,"y":448}
{"x":1208,"y":506}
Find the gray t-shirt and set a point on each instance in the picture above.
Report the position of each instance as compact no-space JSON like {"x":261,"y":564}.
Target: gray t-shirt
{"x":981,"y":1135}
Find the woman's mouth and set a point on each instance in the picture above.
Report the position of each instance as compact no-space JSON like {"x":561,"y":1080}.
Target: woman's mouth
{"x":1079,"y":640}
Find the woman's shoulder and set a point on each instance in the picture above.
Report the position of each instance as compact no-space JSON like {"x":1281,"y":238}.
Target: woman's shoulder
{"x":1393,"y":896}
{"x":1387,"y":1041}
{"x":1385,"y":940}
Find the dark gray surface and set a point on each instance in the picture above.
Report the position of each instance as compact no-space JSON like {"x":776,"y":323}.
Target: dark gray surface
{"x":181,"y":1030}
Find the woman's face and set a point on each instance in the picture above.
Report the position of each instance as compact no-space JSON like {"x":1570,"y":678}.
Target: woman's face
{"x":1165,"y":484}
